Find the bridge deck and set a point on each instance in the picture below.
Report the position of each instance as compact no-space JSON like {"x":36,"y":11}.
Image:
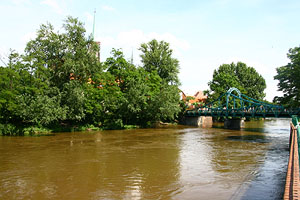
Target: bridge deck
{"x":217,"y":112}
{"x":230,"y":105}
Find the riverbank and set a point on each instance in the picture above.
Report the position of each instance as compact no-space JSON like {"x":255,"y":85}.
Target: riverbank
{"x":13,"y":130}
{"x":21,"y":130}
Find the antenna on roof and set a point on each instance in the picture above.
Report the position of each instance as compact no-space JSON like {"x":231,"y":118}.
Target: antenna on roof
{"x":94,"y":24}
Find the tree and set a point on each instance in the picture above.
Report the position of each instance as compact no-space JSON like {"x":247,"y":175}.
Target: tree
{"x":288,"y":77}
{"x":59,"y":58}
{"x":244,"y":78}
{"x":132,"y":82}
{"x":41,"y":109}
{"x":253,"y":83}
{"x":10,"y":87}
{"x":60,"y":81}
{"x":119,"y":67}
{"x":9,"y":82}
{"x":65,"y":61}
{"x":104,"y":99}
{"x":157,"y":59}
{"x":146,"y":97}
{"x":165,"y":105}
{"x":157,"y":56}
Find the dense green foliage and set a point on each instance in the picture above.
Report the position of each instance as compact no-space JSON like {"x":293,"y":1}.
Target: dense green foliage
{"x":59,"y":81}
{"x":289,"y":82}
{"x":244,"y":78}
{"x":157,"y":56}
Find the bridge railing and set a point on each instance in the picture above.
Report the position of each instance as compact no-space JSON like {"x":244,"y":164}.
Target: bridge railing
{"x":230,"y":105}
{"x":292,"y":185}
{"x":249,"y":111}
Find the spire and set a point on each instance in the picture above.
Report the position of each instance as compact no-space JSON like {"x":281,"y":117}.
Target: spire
{"x":131,"y":56}
{"x":94,"y":24}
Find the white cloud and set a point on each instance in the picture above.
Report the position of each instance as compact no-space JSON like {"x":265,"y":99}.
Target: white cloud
{"x":131,"y":40}
{"x":54,"y":5}
{"x":272,"y":90}
{"x":108,"y":8}
{"x":195,"y":73}
{"x":27,"y":37}
{"x":4,"y":52}
{"x":177,"y":44}
{"x":89,"y":16}
{"x":259,"y":67}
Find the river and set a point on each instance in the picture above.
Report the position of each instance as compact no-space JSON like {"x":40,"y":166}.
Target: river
{"x":175,"y":162}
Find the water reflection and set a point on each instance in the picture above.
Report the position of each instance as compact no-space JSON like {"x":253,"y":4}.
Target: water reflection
{"x":170,"y":163}
{"x":249,"y":138}
{"x":269,"y":182}
{"x":115,"y":165}
{"x":215,"y":165}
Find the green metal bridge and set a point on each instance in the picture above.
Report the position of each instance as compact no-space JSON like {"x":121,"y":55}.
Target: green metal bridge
{"x":239,"y":105}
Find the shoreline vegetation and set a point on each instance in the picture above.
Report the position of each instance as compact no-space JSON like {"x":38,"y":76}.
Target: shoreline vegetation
{"x":59,"y":85}
{"x":12,"y":130}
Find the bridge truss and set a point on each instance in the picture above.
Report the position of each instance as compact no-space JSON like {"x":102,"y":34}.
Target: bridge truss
{"x":238,"y":105}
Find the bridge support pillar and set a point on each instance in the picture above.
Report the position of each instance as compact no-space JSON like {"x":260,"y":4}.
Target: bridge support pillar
{"x":197,"y":121}
{"x":233,"y":123}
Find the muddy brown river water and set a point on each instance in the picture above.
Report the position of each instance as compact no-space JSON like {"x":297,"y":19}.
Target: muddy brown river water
{"x":164,"y":163}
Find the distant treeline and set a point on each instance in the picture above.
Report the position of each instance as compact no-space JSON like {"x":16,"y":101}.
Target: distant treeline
{"x":59,"y":82}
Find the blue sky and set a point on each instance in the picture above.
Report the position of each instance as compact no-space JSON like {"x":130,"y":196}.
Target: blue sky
{"x":203,"y":34}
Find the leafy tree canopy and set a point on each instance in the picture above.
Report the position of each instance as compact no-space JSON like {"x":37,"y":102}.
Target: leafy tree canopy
{"x":289,"y":82}
{"x":157,"y":56}
{"x":240,"y":76}
{"x":60,"y":81}
{"x":55,"y":57}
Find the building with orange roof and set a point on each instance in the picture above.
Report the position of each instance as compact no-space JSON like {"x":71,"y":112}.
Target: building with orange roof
{"x":191,"y":101}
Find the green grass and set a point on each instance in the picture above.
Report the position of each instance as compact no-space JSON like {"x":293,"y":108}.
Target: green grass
{"x":131,"y":127}
{"x":13,"y":130}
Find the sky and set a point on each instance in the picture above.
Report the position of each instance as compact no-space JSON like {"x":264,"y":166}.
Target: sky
{"x":203,"y":34}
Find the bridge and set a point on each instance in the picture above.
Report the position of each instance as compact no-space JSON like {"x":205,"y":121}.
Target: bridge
{"x":233,"y":106}
{"x":238,"y":105}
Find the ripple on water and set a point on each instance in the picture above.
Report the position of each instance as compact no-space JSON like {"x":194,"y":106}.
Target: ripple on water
{"x":170,"y":163}
{"x":250,"y":138}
